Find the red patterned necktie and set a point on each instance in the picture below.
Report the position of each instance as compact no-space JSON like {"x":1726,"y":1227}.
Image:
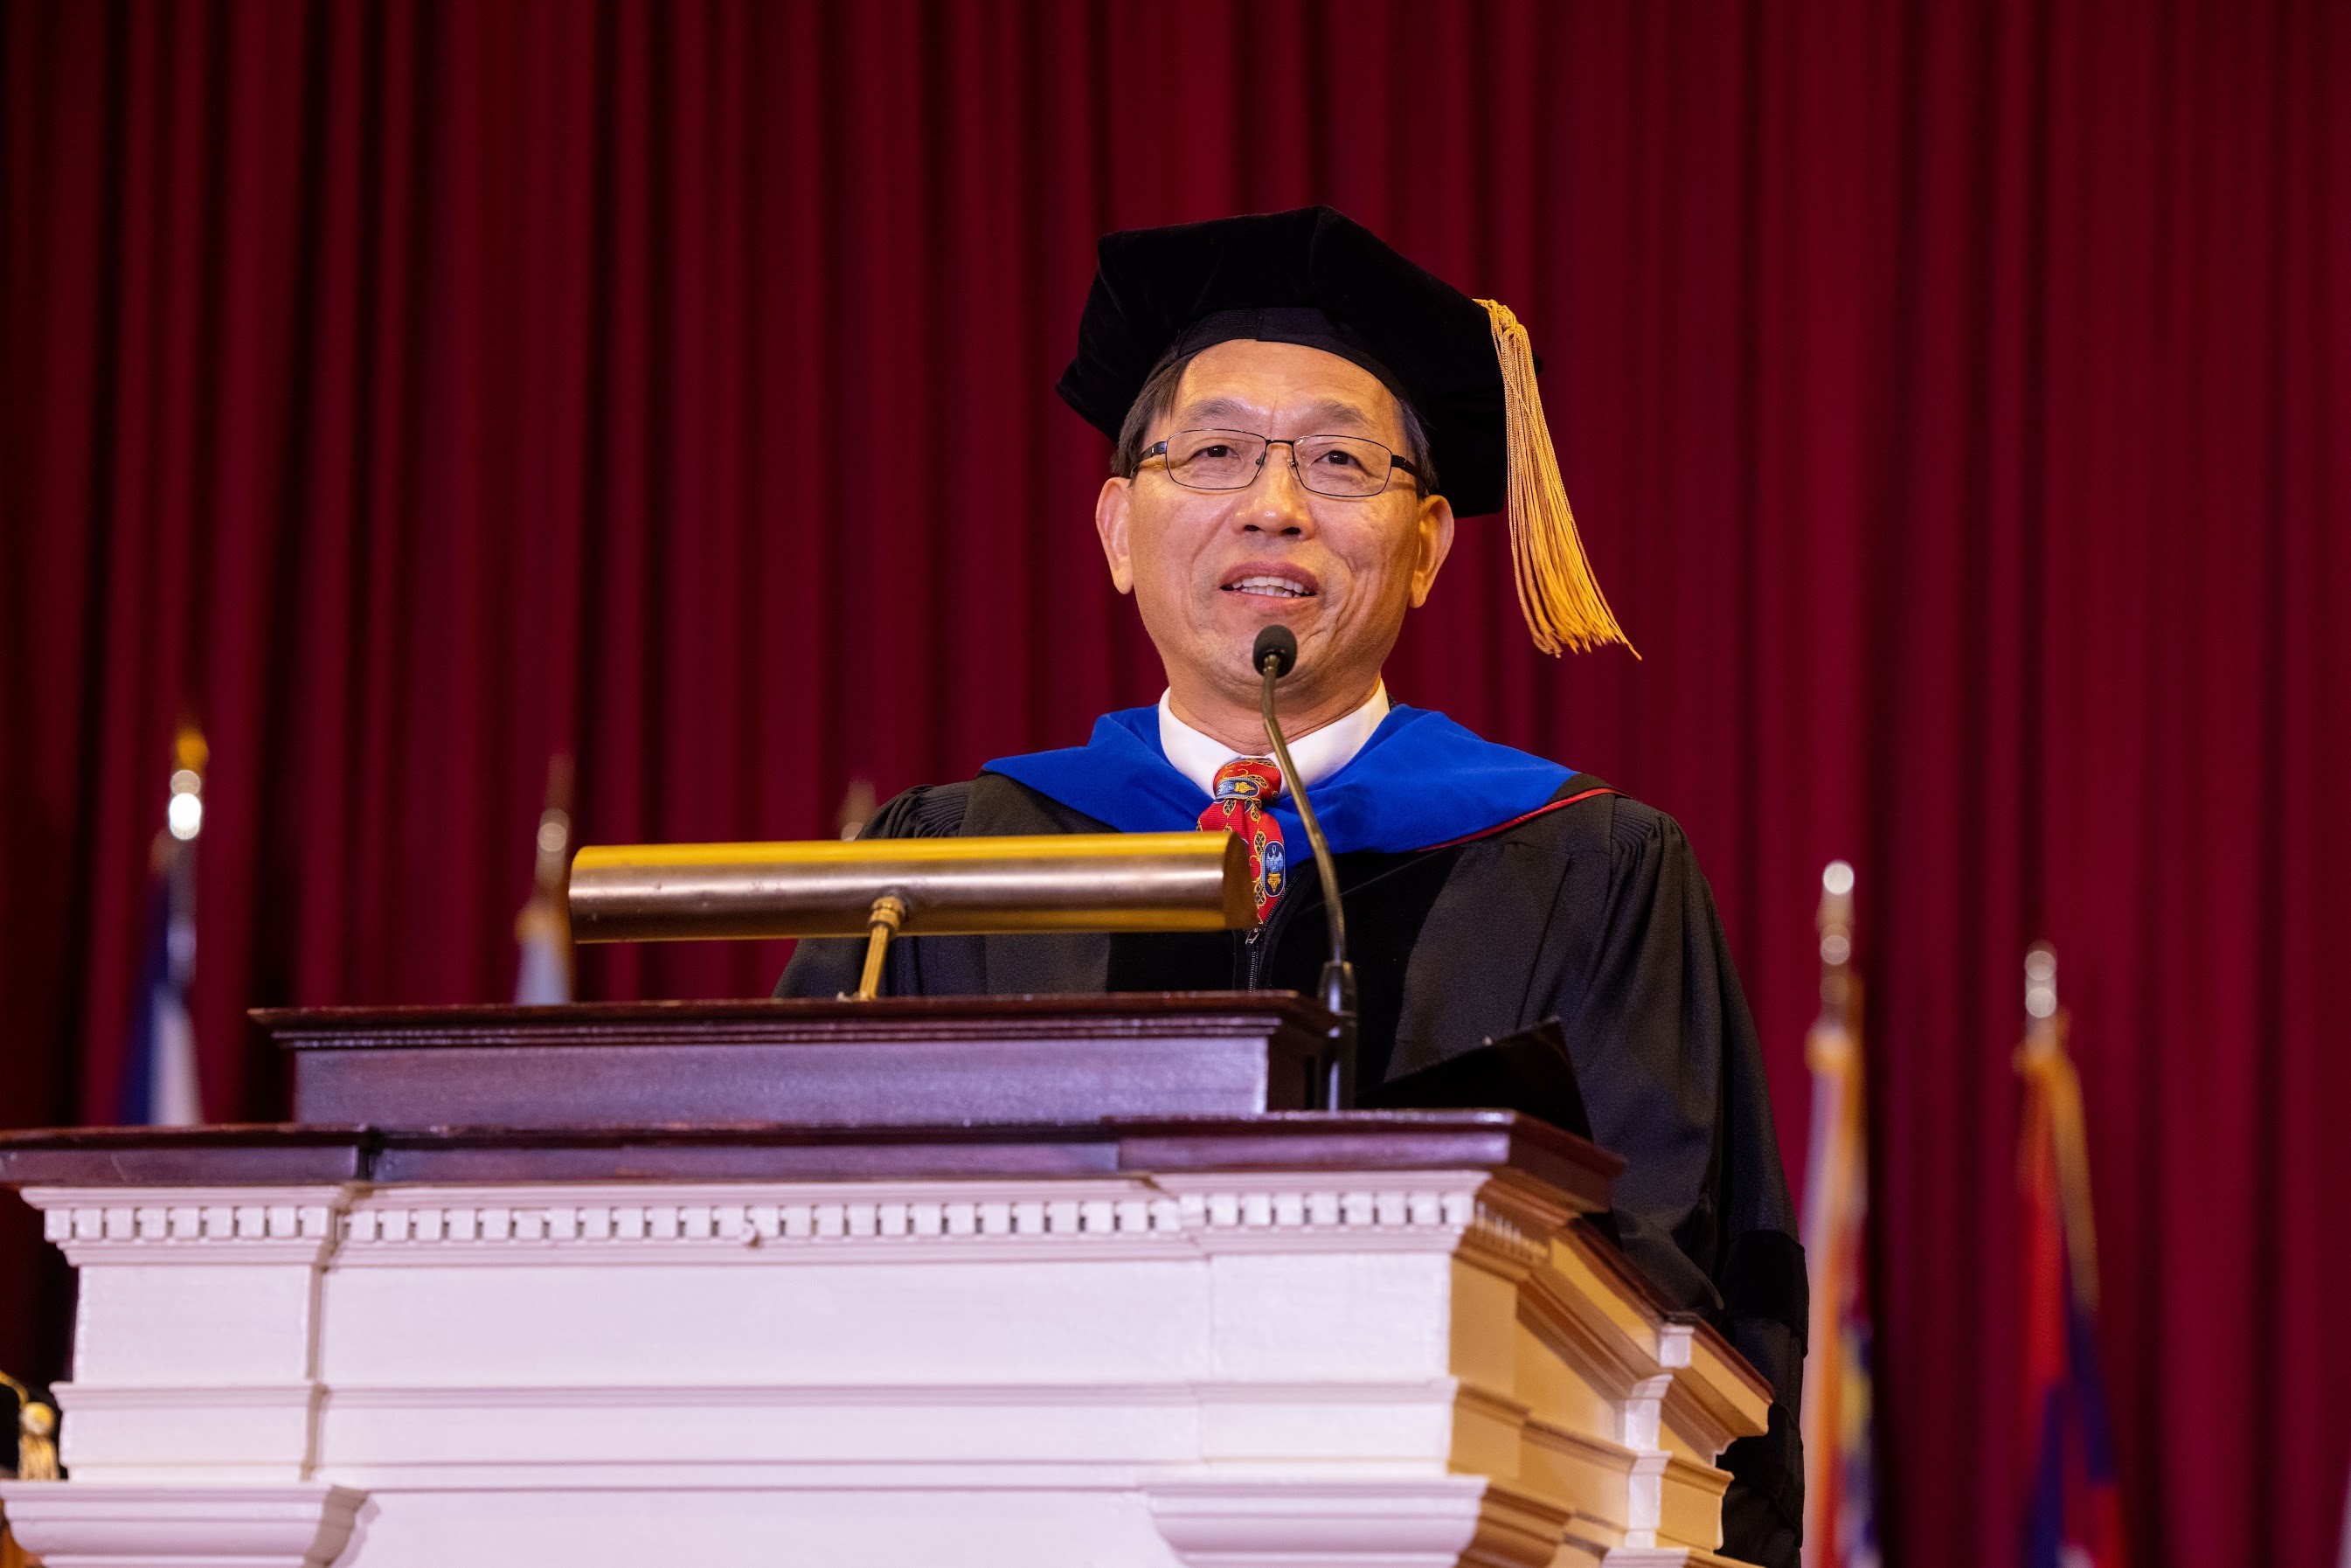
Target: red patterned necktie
{"x":1244,"y":804}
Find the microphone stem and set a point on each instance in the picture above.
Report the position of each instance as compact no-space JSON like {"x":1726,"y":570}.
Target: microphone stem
{"x":1338,"y":986}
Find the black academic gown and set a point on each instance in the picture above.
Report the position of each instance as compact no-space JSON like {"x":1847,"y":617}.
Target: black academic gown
{"x":1593,"y":913}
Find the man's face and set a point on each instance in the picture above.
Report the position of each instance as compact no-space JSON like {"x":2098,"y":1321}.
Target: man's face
{"x":1209,"y":570}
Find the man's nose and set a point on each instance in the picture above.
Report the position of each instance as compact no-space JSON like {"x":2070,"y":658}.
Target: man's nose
{"x":1277,"y":503}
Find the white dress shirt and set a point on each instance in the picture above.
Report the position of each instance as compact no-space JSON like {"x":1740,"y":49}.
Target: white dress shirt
{"x":1320,"y":755}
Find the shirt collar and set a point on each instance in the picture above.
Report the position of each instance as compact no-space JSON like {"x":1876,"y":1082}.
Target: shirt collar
{"x":1318,"y":755}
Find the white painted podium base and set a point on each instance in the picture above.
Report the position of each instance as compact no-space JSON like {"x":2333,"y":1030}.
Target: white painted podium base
{"x":1221,"y":1369}
{"x":1303,"y":1523}
{"x":98,"y":1525}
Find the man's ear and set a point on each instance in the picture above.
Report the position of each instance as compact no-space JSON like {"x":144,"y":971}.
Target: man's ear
{"x":1432,"y":534}
{"x":1110,"y":509}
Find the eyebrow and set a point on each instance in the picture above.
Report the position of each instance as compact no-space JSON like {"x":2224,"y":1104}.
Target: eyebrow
{"x":1320,"y":416}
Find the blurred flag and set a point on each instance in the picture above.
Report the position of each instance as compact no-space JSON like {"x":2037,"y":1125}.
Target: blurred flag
{"x":159,"y":1067}
{"x":543,"y":929}
{"x":2343,"y":1556}
{"x":856,"y":807}
{"x":1840,"y":1489}
{"x":2072,"y":1514}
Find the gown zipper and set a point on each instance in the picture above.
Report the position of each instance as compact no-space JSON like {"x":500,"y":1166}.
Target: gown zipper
{"x":1258,"y":947}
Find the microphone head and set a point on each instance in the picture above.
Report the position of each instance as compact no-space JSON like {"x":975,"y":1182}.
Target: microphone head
{"x":1278,"y":644}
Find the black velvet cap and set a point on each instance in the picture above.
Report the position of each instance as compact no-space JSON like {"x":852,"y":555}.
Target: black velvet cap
{"x":1313,"y":276}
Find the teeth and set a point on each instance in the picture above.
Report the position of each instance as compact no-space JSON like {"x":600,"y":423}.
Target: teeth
{"x":1280,"y":586}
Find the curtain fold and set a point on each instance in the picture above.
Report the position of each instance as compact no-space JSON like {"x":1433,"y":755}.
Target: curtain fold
{"x":1952,"y":397}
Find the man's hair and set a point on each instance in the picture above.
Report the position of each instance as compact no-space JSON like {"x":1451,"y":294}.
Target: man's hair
{"x":1158,"y":396}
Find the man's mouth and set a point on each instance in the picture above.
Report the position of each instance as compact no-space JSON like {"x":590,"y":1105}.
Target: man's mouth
{"x":1270,"y":585}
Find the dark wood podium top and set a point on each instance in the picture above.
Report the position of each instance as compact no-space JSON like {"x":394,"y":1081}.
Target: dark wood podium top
{"x":1135,"y":1015}
{"x":894,"y":1088}
{"x":888,"y":1062}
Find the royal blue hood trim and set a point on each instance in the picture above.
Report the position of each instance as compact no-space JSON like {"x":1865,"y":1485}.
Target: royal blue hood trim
{"x":1420,"y":780}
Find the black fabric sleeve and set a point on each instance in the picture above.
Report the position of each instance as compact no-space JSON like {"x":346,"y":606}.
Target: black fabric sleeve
{"x":1673,"y":1075}
{"x":828,"y":965}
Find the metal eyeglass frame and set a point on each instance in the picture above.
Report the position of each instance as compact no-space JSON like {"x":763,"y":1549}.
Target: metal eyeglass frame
{"x":1395,"y":462}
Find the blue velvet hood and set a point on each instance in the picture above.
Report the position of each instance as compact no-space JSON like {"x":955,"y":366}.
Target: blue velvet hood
{"x":1419,"y":781}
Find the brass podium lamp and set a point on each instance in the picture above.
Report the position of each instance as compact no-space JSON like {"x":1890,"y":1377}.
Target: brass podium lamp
{"x":879,"y":888}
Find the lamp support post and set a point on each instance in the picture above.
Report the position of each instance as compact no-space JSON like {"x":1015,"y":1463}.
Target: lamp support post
{"x":881,"y":924}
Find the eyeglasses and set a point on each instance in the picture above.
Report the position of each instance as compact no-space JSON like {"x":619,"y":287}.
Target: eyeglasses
{"x":1344,"y":466}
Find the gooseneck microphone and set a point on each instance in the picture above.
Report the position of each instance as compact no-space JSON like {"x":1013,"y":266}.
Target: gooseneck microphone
{"x":1275,"y":654}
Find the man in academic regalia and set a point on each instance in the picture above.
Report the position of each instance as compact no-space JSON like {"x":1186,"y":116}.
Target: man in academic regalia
{"x":1299,"y":413}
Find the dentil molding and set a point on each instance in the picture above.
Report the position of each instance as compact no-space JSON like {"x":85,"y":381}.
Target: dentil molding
{"x":358,"y":1226}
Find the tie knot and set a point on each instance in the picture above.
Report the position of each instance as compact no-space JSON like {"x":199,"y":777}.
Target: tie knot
{"x":1249,"y":778}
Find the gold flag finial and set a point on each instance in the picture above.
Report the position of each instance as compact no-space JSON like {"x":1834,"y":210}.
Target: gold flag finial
{"x":1557,"y":593}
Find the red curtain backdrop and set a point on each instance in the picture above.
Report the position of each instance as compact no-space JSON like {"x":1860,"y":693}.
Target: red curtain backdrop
{"x":1954,"y":396}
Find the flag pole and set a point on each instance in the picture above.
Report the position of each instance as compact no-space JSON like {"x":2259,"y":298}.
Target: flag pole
{"x":2043,"y":1057}
{"x":543,"y":976}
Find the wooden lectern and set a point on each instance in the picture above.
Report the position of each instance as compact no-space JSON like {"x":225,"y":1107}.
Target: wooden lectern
{"x":1039,"y":1281}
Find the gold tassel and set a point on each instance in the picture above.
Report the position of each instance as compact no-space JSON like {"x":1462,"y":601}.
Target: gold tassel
{"x":37,"y":1431}
{"x":36,"y":1446}
{"x":1557,"y":593}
